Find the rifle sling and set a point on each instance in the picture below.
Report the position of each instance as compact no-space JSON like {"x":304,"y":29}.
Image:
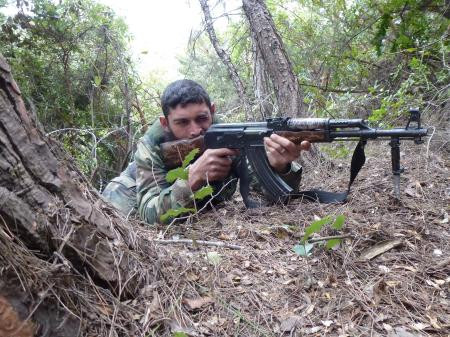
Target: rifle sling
{"x":358,"y":160}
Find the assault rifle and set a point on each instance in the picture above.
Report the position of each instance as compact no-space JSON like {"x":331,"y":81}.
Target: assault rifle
{"x":248,"y":138}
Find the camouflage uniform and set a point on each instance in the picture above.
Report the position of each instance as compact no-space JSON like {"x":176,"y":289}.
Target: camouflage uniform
{"x":121,"y":191}
{"x":155,"y":196}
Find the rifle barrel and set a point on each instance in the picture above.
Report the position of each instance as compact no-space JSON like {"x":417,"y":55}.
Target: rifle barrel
{"x":379,"y":133}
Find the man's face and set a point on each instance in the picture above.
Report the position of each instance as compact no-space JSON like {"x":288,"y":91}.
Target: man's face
{"x":189,"y":121}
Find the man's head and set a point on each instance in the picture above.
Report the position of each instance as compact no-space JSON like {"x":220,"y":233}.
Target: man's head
{"x":187,"y":109}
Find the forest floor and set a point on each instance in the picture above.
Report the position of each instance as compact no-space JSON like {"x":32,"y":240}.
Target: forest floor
{"x":390,"y":276}
{"x":266,"y":289}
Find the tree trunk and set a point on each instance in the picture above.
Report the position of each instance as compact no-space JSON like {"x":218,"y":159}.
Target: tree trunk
{"x":287,"y":90}
{"x":50,"y":215}
{"x":225,"y":58}
{"x":261,"y":82}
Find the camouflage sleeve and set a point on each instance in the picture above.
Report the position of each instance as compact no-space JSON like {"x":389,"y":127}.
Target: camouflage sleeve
{"x":155,"y":195}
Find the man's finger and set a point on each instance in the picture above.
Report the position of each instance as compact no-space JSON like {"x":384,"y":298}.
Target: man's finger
{"x":224,"y":152}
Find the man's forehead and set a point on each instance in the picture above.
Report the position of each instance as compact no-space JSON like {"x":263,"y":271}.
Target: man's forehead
{"x":190,"y":111}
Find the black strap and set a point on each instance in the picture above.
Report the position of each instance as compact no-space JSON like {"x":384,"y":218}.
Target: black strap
{"x":358,"y":160}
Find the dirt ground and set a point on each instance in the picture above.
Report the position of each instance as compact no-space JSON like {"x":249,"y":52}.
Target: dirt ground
{"x":258,"y":286}
{"x":266,"y":289}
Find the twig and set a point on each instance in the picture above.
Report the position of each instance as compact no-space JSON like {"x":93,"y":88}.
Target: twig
{"x":324,"y":238}
{"x":200,"y":242}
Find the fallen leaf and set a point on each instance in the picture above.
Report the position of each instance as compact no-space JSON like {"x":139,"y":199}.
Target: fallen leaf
{"x":437,"y":252}
{"x":225,"y":237}
{"x":196,"y":303}
{"x":309,"y":310}
{"x":315,"y":329}
{"x":327,"y":323}
{"x":180,"y":331}
{"x":431,"y":283}
{"x":213,"y":258}
{"x":387,"y":327}
{"x":290,"y":323}
{"x":378,"y":249}
{"x":434,"y":322}
{"x":379,"y":290}
{"x":420,"y":326}
{"x":401,"y":332}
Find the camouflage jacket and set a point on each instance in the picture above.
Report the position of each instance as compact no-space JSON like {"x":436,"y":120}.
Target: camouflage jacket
{"x":155,"y":196}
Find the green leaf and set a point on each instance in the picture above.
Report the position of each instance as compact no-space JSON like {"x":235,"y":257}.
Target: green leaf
{"x":173,"y":213}
{"x":97,"y":81}
{"x":303,"y":250}
{"x":339,"y":222}
{"x":203,"y":192}
{"x":190,"y":157}
{"x":179,"y":334}
{"x":331,"y":243}
{"x":315,"y":227}
{"x":178,"y":173}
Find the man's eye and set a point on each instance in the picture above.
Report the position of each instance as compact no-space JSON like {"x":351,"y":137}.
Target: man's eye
{"x":181,"y":123}
{"x":202,"y":119}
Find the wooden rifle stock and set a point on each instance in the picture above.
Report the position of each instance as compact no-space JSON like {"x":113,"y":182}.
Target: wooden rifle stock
{"x":174,"y":152}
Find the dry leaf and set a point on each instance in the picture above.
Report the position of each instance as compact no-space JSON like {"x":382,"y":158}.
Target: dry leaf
{"x":387,"y":327}
{"x":420,"y":326}
{"x":378,"y":249}
{"x":309,"y":310}
{"x":176,"y":327}
{"x":434,"y":322}
{"x":327,"y":323}
{"x":196,"y":303}
{"x":290,"y":323}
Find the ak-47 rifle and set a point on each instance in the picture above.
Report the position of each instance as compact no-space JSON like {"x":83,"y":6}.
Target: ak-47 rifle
{"x":248,"y":138}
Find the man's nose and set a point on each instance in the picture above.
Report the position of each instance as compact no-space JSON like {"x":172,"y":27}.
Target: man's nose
{"x":195,"y":130}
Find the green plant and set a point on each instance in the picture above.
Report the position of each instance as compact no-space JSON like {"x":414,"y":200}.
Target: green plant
{"x":183,"y":173}
{"x":305,"y":247}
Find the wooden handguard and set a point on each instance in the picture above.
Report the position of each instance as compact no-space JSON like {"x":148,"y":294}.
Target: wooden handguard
{"x":175,"y":151}
{"x":297,"y":137}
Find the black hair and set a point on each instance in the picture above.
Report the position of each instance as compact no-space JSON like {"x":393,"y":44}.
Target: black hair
{"x":183,"y":92}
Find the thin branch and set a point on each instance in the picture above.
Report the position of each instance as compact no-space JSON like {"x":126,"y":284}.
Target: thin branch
{"x":200,"y":242}
{"x":325,"y":238}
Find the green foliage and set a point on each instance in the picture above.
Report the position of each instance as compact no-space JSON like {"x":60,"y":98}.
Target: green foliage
{"x":305,"y":247}
{"x":173,"y":213}
{"x":71,"y":61}
{"x":183,"y":174}
{"x":179,"y":334}
{"x":190,"y":157}
{"x":177,"y":173}
{"x":315,"y":227}
{"x":204,"y":192}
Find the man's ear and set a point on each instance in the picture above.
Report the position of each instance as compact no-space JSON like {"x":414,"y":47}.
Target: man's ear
{"x":213,"y":109}
{"x":164,"y":123}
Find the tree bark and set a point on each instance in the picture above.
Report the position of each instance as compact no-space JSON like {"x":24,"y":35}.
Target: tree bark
{"x":46,"y":203}
{"x":287,"y":90}
{"x":225,"y":58}
{"x":261,"y":82}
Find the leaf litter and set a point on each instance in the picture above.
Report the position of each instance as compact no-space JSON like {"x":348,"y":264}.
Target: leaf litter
{"x":266,"y":289}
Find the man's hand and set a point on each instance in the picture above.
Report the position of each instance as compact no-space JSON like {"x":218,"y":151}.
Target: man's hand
{"x":212,"y":165}
{"x":281,"y":152}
